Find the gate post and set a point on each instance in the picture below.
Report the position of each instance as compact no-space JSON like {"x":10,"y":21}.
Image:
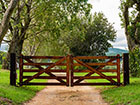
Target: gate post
{"x":21,"y":69}
{"x":126,"y":68}
{"x":13,"y":69}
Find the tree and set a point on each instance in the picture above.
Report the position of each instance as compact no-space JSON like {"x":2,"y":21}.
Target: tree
{"x":90,"y":37}
{"x":6,"y":18}
{"x":131,"y":22}
{"x":99,"y":34}
{"x":130,"y":16}
{"x":53,"y":16}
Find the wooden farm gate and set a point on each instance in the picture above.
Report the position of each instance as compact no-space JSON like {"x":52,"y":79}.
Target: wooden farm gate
{"x":69,"y":70}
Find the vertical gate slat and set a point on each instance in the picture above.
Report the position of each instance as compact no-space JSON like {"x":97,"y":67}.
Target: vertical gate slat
{"x":68,"y":70}
{"x":118,"y":68}
{"x":72,"y":70}
{"x":21,"y":69}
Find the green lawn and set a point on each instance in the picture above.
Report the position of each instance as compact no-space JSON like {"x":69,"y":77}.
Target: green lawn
{"x":123,"y":95}
{"x":17,"y":95}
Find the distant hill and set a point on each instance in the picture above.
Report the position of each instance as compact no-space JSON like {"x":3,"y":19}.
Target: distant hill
{"x":115,"y":51}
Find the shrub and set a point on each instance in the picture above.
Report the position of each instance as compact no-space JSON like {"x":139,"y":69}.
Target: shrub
{"x":135,"y":62}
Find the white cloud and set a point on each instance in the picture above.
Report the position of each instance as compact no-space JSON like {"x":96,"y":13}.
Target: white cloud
{"x":111,"y":10}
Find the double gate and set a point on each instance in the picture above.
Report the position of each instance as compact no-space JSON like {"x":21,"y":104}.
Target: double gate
{"x":69,"y":70}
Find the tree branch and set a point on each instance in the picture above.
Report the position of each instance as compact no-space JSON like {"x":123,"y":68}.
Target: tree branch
{"x":6,"y":18}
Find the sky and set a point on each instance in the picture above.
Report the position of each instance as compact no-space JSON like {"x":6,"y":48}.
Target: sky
{"x":110,"y":8}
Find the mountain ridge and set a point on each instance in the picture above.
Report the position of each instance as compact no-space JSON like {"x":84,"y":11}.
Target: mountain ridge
{"x":115,"y":51}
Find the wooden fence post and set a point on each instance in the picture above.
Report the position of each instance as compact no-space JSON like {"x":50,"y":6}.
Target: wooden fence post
{"x":126,"y":68}
{"x":13,"y":69}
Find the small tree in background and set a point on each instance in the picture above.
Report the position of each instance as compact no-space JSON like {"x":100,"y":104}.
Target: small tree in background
{"x":99,"y":34}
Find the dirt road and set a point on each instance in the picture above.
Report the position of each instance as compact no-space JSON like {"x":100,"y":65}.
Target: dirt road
{"x":62,"y":95}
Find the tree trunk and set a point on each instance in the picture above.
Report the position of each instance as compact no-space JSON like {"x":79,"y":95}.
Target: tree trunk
{"x":130,"y":41}
{"x":5,"y":21}
{"x":19,"y":33}
{"x":15,"y":47}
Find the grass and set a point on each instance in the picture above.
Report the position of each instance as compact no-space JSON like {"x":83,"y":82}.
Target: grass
{"x":123,"y":95}
{"x":17,"y":95}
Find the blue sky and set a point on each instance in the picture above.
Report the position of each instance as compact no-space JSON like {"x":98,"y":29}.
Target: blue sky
{"x":110,"y":8}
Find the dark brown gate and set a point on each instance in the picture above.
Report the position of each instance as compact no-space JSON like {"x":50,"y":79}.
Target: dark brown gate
{"x":65,"y":70}
{"x":31,"y":69}
{"x":107,"y":70}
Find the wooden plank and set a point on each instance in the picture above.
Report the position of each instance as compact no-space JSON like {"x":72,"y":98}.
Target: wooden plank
{"x":37,"y":70}
{"x":94,"y":57}
{"x":45,"y":70}
{"x":76,"y":84}
{"x":48,"y":84}
{"x":89,"y":74}
{"x":43,"y":57}
{"x":97,"y":64}
{"x":84,"y":84}
{"x":94,"y":70}
{"x":21,"y":69}
{"x":101,"y":70}
{"x":77,"y":70}
{"x":31,"y":70}
{"x":94,"y":77}
{"x":46,"y":77}
{"x":118,"y":69}
{"x":41,"y":64}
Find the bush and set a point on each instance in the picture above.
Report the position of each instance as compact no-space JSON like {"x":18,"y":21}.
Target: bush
{"x":2,"y":56}
{"x":135,"y":62}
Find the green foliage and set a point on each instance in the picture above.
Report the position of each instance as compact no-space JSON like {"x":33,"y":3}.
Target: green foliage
{"x":89,"y":36}
{"x":135,"y":62}
{"x":133,"y":21}
{"x":57,"y":15}
{"x":99,"y":32}
{"x":58,"y":18}
{"x":2,"y":56}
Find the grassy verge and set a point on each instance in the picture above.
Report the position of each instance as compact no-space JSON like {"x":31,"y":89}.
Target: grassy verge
{"x":123,"y":95}
{"x":17,"y":95}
